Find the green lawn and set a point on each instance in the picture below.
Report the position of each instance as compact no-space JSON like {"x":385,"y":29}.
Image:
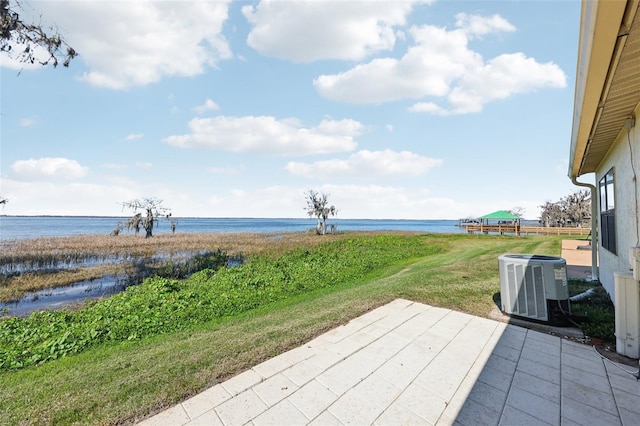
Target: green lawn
{"x":121,"y":382}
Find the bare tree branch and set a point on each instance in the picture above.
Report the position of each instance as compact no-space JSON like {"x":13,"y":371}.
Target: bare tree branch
{"x":16,"y":32}
{"x":517,"y":210}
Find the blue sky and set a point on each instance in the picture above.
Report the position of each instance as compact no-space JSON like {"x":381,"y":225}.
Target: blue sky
{"x":397,"y":110}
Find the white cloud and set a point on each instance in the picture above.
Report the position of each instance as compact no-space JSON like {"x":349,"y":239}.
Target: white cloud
{"x":267,"y":135}
{"x":114,"y":166}
{"x":307,"y":31}
{"x":134,"y":136}
{"x":208,"y":105}
{"x":144,"y":165}
{"x":427,"y":107}
{"x":128,"y":44}
{"x":52,"y":197}
{"x":28,"y":122}
{"x":475,"y":25}
{"x":441,"y":65}
{"x":48,"y":168}
{"x":352,"y":202}
{"x":226,"y":170}
{"x":374,"y":201}
{"x":427,"y":69}
{"x":502,"y":77}
{"x":359,"y":201}
{"x":400,"y":202}
{"x":66,"y":198}
{"x":367,"y":164}
{"x":270,"y":201}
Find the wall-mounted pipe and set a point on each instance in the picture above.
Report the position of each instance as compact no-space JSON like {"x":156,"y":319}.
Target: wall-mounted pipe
{"x":594,"y":227}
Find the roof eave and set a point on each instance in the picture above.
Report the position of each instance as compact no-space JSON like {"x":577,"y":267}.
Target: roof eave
{"x":599,"y":28}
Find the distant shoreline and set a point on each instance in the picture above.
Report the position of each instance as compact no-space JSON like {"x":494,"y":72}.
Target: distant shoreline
{"x":213,"y":217}
{"x":27,"y":227}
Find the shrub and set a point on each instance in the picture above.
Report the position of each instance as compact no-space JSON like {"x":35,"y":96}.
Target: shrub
{"x":600,"y":315}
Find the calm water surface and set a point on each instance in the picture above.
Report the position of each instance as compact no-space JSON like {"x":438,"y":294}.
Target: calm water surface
{"x":22,"y":227}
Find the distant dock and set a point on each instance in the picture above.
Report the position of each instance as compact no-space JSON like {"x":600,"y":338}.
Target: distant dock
{"x":515,"y":229}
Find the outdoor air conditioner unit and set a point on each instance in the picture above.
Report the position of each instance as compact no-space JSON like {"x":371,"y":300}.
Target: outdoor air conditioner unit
{"x":535,"y":287}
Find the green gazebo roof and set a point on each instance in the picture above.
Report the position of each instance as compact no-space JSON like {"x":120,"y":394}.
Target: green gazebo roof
{"x":500,"y":215}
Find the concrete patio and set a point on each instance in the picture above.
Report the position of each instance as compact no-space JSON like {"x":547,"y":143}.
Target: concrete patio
{"x":410,"y":363}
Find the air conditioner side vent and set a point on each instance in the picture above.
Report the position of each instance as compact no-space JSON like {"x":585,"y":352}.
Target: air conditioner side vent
{"x":529,"y":284}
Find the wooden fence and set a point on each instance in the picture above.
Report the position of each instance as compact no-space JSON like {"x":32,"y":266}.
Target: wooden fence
{"x":550,"y":230}
{"x":526,"y":230}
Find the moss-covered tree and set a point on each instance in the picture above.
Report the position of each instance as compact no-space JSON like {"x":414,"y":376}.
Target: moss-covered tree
{"x":318,"y":207}
{"x":154,"y":210}
{"x":572,"y":210}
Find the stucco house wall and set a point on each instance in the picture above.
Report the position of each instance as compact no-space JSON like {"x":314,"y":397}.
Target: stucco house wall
{"x":624,"y":159}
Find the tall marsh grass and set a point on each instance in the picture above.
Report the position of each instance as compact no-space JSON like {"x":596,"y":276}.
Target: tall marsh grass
{"x":35,"y":264}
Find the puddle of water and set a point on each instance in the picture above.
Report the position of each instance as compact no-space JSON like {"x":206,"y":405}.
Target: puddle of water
{"x":56,"y":298}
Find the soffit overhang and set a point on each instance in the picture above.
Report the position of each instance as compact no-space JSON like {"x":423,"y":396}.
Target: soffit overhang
{"x":607,"y":80}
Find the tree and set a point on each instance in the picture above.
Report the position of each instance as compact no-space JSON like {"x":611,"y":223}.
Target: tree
{"x":134,"y":223}
{"x":517,"y":210}
{"x":572,"y":210}
{"x":577,"y":207}
{"x":317,"y":205}
{"x":154,"y":211}
{"x":551,"y":214}
{"x":15,"y":32}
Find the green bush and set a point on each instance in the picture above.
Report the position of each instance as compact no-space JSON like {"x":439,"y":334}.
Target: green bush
{"x":600,"y":315}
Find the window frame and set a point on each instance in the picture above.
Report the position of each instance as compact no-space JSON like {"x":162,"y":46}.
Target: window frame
{"x":607,"y":197}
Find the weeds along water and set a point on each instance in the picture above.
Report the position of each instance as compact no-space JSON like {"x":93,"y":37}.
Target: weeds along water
{"x":134,"y":270}
{"x":53,"y":273}
{"x":49,"y":273}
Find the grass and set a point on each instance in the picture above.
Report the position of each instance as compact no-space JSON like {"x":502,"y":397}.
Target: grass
{"x":597,"y":310}
{"x":123,"y":382}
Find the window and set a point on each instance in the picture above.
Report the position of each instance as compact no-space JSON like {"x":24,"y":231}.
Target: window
{"x":608,"y":212}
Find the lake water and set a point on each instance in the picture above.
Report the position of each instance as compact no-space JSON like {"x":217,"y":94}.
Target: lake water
{"x":23,"y":227}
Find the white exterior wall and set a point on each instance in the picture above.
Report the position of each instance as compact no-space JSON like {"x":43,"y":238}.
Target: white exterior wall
{"x":627,"y":216}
